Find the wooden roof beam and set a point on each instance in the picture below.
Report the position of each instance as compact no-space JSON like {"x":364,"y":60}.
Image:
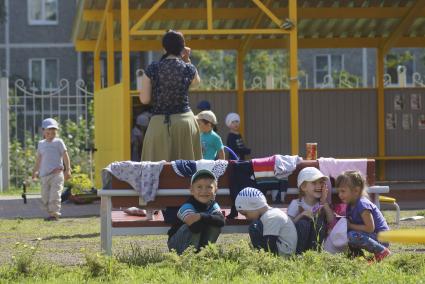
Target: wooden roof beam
{"x":234,"y":44}
{"x":146,"y":17}
{"x":408,"y":19}
{"x":194,"y":14}
{"x":101,"y":32}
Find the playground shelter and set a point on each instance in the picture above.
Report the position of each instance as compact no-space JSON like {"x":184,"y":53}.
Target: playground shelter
{"x":109,"y":26}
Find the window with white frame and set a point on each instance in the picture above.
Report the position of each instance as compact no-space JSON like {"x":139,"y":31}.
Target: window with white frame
{"x":395,"y":63}
{"x":325,"y":66}
{"x":42,"y":12}
{"x":44,"y":73}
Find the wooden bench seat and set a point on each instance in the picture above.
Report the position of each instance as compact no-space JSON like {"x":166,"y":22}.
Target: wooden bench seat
{"x":173,"y":191}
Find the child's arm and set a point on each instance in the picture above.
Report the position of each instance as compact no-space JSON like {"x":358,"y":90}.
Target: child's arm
{"x":221,"y":155}
{"x":369,"y":224}
{"x":305,"y":213}
{"x":329,"y":213}
{"x":67,"y":162}
{"x":215,"y":219}
{"x":36,"y":166}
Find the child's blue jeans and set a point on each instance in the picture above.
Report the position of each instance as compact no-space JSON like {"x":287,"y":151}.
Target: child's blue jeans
{"x":362,"y":240}
{"x":184,"y":238}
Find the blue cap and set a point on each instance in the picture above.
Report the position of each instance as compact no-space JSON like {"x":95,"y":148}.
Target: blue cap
{"x":204,"y":105}
{"x":203,"y":173}
{"x":49,"y":123}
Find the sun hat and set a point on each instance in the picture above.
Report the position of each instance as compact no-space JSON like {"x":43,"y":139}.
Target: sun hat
{"x":208,"y":116}
{"x":202,"y":173}
{"x":249,"y":199}
{"x":204,"y":105}
{"x":233,"y":116}
{"x":309,"y":174}
{"x":49,"y":123}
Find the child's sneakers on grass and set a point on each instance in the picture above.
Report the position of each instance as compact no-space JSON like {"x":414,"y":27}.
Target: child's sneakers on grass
{"x":51,"y":218}
{"x":381,"y":255}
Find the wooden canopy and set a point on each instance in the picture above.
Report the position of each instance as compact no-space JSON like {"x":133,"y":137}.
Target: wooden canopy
{"x":135,"y":25}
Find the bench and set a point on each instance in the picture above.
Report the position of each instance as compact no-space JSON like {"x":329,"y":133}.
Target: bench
{"x":172,"y":192}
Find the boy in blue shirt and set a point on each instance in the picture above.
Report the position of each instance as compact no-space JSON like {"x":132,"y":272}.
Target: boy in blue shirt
{"x":212,"y":146}
{"x":199,"y":218}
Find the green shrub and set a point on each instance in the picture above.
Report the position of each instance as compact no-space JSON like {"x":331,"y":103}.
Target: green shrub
{"x":140,"y":256}
{"x":79,"y":182}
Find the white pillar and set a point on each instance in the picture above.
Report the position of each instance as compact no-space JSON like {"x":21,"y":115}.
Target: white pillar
{"x":4,"y":134}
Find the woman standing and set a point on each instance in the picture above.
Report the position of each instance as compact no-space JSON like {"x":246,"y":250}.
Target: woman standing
{"x":173,"y":132}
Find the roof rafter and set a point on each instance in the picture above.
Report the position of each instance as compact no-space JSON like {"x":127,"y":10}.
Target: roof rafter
{"x":146,"y":16}
{"x":408,"y":19}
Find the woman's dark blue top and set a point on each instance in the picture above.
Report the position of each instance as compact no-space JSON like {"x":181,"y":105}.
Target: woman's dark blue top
{"x":170,"y":80}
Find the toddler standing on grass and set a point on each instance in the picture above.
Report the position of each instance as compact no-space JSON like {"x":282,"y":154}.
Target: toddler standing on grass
{"x":49,"y":167}
{"x":365,"y":220}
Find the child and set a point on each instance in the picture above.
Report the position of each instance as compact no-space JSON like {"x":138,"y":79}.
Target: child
{"x":234,"y":138}
{"x":49,"y":166}
{"x":199,"y":218}
{"x":272,"y":230}
{"x":311,"y":212}
{"x":137,"y":135}
{"x":365,"y":220}
{"x":210,"y":140}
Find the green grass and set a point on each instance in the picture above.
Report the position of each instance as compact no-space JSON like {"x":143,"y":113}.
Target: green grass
{"x":68,"y":253}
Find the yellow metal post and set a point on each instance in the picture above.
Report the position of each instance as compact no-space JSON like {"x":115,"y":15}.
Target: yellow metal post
{"x":240,"y":90}
{"x":125,"y":55}
{"x":293,"y":78}
{"x":110,"y":47}
{"x":381,"y":111}
{"x":97,"y":73}
{"x":209,"y":15}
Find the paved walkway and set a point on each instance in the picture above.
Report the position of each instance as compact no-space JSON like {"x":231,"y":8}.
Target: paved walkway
{"x":14,"y":207}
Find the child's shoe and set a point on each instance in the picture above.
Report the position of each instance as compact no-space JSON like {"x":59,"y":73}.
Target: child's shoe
{"x":381,"y":255}
{"x":51,"y":218}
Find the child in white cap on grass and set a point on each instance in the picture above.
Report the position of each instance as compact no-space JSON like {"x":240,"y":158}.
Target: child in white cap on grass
{"x":234,"y":138}
{"x":49,"y":167}
{"x":311,"y":211}
{"x":271,"y":230}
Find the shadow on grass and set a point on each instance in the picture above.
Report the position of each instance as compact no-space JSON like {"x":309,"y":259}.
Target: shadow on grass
{"x":76,"y":236}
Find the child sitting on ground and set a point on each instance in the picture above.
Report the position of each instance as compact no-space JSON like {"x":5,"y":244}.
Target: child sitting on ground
{"x":234,"y":138}
{"x":210,"y":140}
{"x":311,"y":212}
{"x":52,"y":155}
{"x":365,"y":220}
{"x":199,"y":218}
{"x":272,"y":230}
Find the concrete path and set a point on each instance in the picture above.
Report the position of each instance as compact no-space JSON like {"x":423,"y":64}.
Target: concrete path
{"x":14,"y":207}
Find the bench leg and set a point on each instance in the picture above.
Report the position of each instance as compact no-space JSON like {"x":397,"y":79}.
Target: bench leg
{"x":106,"y":225}
{"x":397,"y":216}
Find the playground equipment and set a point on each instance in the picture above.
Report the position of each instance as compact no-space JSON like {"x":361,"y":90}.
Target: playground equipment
{"x":406,"y":236}
{"x":391,"y":201}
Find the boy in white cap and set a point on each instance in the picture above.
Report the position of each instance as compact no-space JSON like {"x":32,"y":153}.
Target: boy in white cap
{"x":199,"y":218}
{"x":234,"y":138}
{"x":271,"y":230}
{"x":212,"y":146}
{"x":311,"y":211}
{"x":49,"y":167}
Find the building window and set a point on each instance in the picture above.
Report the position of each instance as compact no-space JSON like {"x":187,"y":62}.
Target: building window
{"x":325,"y":66}
{"x":42,"y":12}
{"x":400,"y":62}
{"x":44,"y":73}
